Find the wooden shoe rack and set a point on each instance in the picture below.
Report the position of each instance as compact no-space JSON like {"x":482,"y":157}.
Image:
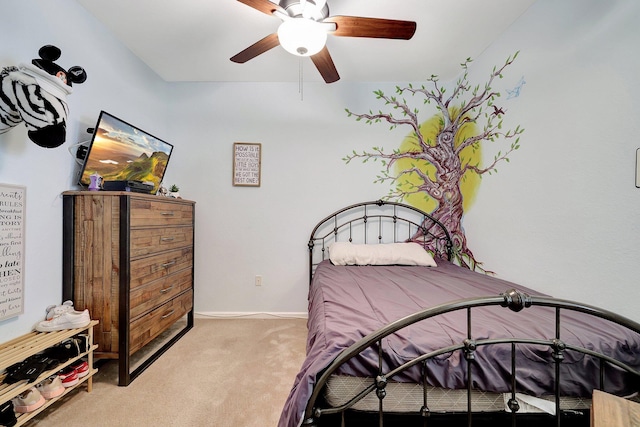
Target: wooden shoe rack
{"x":29,"y":344}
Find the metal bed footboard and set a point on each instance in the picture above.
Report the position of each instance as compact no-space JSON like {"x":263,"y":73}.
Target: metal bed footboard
{"x":511,"y":299}
{"x":379,"y":222}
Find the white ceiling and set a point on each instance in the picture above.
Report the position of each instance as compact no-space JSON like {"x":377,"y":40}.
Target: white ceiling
{"x":192,"y":40}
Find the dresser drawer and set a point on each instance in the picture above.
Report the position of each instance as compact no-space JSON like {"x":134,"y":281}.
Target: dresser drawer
{"x":147,"y":269}
{"x":144,"y":298}
{"x":156,"y":321}
{"x":145,"y":241}
{"x":146,"y":213}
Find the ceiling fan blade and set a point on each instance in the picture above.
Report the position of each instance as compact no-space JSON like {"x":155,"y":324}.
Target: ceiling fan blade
{"x":257,"y":48}
{"x":357,"y":26}
{"x":324,"y":64}
{"x":264,"y":6}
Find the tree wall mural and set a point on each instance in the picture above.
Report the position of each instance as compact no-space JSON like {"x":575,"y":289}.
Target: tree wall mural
{"x":439,"y":163}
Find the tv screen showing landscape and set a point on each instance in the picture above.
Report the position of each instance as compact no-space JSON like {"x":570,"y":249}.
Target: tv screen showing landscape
{"x":122,"y":152}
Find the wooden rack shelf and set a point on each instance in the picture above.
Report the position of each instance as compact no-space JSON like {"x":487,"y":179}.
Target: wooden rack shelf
{"x":27,"y":345}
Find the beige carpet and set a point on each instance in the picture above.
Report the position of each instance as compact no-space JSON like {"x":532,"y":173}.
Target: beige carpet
{"x":223,"y":373}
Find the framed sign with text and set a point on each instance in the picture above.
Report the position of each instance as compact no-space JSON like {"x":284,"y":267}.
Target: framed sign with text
{"x":247,"y":163}
{"x":12,"y":218}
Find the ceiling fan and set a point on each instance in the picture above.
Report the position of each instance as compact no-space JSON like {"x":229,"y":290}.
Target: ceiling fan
{"x":304,"y":29}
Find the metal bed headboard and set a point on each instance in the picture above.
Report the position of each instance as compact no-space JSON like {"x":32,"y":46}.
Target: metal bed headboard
{"x":379,"y":222}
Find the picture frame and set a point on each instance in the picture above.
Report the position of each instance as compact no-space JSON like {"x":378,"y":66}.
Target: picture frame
{"x":13,"y":200}
{"x":247,"y":164}
{"x":638,"y":168}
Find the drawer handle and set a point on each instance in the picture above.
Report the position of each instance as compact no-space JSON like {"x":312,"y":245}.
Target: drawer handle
{"x":168,"y":314}
{"x":168,"y":264}
{"x":167,"y":239}
{"x":164,"y":291}
{"x":170,"y":213}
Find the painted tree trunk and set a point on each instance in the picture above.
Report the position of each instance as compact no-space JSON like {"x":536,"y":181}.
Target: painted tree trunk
{"x":449,"y":196}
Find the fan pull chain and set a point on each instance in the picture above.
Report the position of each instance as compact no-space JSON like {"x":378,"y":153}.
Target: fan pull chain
{"x":300,"y":80}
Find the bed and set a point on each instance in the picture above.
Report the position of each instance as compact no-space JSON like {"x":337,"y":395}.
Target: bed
{"x":396,"y":338}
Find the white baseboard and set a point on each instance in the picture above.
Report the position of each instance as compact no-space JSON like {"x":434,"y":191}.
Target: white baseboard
{"x":249,"y":315}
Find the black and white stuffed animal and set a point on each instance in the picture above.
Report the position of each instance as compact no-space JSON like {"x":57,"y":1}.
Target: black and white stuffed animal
{"x":36,"y":94}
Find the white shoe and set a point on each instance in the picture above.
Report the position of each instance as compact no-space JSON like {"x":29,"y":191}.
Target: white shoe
{"x":56,"y":310}
{"x":68,"y":320}
{"x":28,"y":401}
{"x":50,"y":387}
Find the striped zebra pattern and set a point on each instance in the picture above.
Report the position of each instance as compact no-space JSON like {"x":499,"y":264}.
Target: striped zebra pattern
{"x":30,"y":95}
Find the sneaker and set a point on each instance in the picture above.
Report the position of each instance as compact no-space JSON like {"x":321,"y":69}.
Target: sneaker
{"x":29,"y":369}
{"x":51,"y":387}
{"x":28,"y":401}
{"x":81,"y":367}
{"x":82,"y":341}
{"x":56,"y":310}
{"x":7,"y":416}
{"x":63,"y":351}
{"x":68,"y":376}
{"x":68,"y":320}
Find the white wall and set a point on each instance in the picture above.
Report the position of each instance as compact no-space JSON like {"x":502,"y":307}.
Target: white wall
{"x":248,"y":231}
{"x":560,"y":217}
{"x":117,"y":82}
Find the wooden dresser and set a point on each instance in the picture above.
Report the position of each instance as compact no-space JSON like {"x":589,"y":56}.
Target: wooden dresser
{"x":128,"y":258}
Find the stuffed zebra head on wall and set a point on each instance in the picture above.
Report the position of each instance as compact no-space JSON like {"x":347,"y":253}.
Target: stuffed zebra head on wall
{"x":36,"y":94}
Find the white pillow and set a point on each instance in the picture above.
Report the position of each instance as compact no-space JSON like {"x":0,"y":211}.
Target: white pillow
{"x":346,"y":253}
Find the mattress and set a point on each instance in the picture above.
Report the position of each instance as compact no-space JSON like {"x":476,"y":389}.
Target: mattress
{"x":408,"y":398}
{"x":348,"y":302}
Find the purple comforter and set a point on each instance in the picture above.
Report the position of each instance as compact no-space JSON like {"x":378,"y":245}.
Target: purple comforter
{"x":348,"y":302}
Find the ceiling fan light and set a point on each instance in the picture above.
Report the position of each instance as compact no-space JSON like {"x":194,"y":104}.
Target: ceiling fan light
{"x":302,"y":37}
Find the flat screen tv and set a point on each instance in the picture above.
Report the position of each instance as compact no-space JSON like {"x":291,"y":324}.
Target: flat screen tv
{"x":120,"y":151}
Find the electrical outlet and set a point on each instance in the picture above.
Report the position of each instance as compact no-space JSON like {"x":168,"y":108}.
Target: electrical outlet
{"x":258,"y":280}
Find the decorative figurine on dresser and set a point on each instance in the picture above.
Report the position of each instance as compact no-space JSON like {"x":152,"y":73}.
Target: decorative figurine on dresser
{"x":128,"y":258}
